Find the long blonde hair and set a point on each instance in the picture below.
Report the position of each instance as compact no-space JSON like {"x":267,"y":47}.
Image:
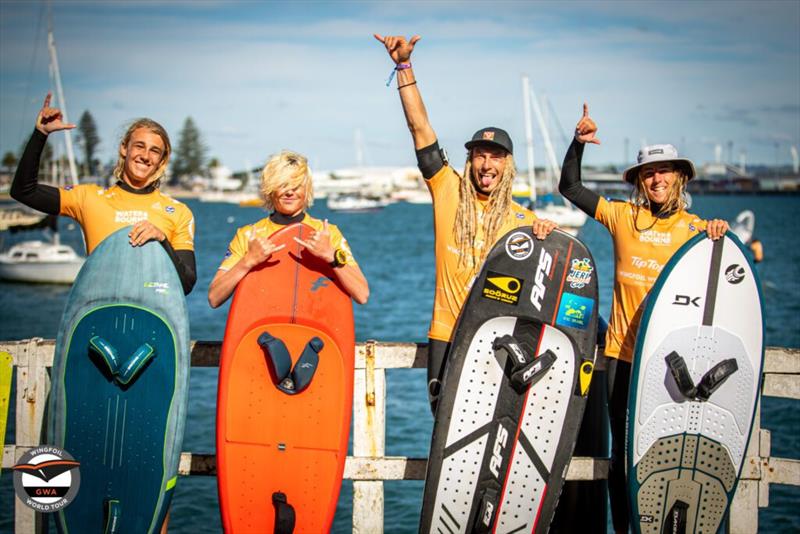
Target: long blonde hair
{"x":676,"y":199}
{"x":156,"y":128}
{"x":286,"y":169}
{"x":465,"y":226}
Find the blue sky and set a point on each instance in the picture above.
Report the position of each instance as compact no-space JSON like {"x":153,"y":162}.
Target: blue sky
{"x":260,"y":76}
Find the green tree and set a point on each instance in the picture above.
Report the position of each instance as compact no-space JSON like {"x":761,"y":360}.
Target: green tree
{"x":190,"y":156}
{"x":87,"y":129}
{"x":9,"y":160}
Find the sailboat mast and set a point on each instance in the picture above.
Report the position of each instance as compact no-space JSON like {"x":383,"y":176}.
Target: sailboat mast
{"x":51,"y":45}
{"x":529,"y":138}
{"x":551,"y":155}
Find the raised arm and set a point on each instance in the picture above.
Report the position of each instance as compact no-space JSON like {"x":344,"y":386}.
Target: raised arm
{"x":25,"y":188}
{"x":400,"y":50}
{"x":570,"y":184}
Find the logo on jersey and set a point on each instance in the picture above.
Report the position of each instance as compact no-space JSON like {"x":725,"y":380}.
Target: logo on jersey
{"x":642,"y":263}
{"x":574,"y":311}
{"x":497,"y":452}
{"x":130,"y":216}
{"x":520,"y":215}
{"x":69,"y":187}
{"x":170,"y":209}
{"x":656,"y":238}
{"x":519,"y":246}
{"x":542,"y":270}
{"x":734,"y":274}
{"x":580,"y":273}
{"x":502,"y":288}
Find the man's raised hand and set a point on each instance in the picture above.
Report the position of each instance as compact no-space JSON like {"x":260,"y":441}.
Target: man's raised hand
{"x":398,"y":47}
{"x":586,"y":129}
{"x":51,"y":119}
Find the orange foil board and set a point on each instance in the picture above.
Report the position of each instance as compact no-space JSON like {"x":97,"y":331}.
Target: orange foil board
{"x":269,"y":441}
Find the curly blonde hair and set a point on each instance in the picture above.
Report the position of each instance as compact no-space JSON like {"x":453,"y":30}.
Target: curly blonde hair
{"x":156,"y":128}
{"x":286,"y":169}
{"x":465,"y":226}
{"x":676,"y":198}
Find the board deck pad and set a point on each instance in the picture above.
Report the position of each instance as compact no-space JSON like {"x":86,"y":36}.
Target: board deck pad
{"x":122,"y":415}
{"x":501,"y":447}
{"x":685,"y":453}
{"x":270,"y":441}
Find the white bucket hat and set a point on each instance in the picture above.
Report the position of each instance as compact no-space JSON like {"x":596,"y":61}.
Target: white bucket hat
{"x":654,"y":154}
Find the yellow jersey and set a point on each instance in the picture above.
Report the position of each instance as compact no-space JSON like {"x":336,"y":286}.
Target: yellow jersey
{"x":453,"y":278}
{"x":266,"y":227}
{"x":639,"y":256}
{"x":102,"y":211}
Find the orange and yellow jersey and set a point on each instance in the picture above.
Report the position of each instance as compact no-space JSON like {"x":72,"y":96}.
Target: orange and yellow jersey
{"x":639,"y":256}
{"x":453,"y":278}
{"x":266,"y":227}
{"x":101,"y":212}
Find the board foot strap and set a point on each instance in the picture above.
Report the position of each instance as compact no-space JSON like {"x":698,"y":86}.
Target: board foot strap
{"x":284,"y":514}
{"x":122,"y":374}
{"x":525,"y":369}
{"x":710,"y":382}
{"x":675,"y":522}
{"x":112,"y":510}
{"x":291,"y":380}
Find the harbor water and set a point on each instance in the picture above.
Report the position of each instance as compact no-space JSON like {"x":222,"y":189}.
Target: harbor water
{"x":394,"y":247}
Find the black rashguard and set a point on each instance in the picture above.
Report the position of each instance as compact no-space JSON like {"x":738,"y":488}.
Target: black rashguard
{"x":45,"y":198}
{"x":570,"y":184}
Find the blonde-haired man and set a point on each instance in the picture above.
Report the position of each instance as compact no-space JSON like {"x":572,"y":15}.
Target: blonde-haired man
{"x":134,"y":200}
{"x":286,"y":189}
{"x":471,"y":211}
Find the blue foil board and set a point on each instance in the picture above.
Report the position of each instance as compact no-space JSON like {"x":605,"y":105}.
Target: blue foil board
{"x":126,"y":436}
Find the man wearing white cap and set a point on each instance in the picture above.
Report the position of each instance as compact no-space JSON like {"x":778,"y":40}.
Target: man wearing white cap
{"x":471,"y":210}
{"x":646,"y":230}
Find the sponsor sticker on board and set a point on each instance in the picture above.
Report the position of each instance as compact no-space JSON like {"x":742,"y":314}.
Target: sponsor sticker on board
{"x":734,"y":274}
{"x":519,"y":246}
{"x":502,"y":288}
{"x":574,"y":311}
{"x":580,"y":273}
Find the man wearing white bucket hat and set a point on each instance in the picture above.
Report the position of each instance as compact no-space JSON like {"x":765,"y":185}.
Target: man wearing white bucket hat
{"x":646,"y":230}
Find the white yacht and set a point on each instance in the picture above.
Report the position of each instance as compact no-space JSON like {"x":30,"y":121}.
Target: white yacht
{"x":40,"y":262}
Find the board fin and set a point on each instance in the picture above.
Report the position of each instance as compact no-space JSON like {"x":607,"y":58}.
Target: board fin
{"x":112,"y":509}
{"x":284,"y":514}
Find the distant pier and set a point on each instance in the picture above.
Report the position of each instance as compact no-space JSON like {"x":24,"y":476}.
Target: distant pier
{"x":369,"y":467}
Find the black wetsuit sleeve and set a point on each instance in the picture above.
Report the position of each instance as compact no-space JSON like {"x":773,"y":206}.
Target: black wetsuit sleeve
{"x":430,"y":160}
{"x":25,"y":188}
{"x":185,"y":265}
{"x":570,"y":184}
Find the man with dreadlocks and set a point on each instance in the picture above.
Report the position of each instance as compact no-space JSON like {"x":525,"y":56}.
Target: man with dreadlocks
{"x":470,"y":211}
{"x":646,"y":230}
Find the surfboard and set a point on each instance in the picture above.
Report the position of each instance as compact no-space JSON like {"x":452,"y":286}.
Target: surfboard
{"x":514,"y":389}
{"x":285,"y":394}
{"x":694,"y":387}
{"x":6,"y":371}
{"x":119,"y":387}
{"x":744,"y":225}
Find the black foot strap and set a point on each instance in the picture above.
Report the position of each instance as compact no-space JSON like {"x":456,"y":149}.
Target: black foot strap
{"x":526,"y":368}
{"x":680,"y":373}
{"x":487,"y":512}
{"x":291,"y":381}
{"x":710,"y":382}
{"x":675,"y":522}
{"x":284,"y":514}
{"x":715,"y":377}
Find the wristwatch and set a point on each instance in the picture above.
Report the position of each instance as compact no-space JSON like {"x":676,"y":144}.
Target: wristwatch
{"x":339,"y":258}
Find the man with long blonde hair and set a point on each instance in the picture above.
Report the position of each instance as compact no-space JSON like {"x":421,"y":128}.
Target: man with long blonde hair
{"x":471,"y":211}
{"x":143,"y":155}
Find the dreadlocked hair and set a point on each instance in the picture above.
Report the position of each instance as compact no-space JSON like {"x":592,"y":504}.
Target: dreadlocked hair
{"x":465,"y":226}
{"x":676,"y":199}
